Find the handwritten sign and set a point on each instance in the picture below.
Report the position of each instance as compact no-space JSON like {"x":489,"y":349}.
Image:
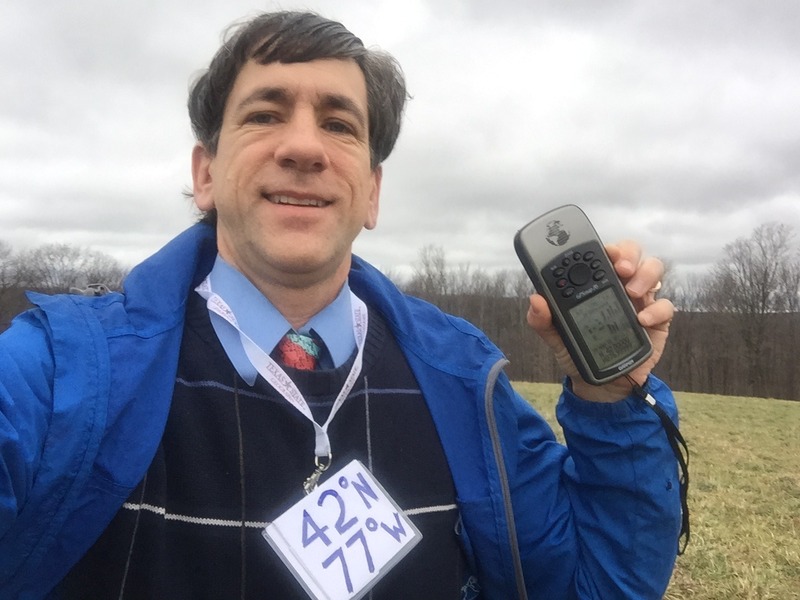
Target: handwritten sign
{"x":344,"y":536}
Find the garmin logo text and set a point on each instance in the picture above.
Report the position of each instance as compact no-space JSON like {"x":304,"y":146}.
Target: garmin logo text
{"x":582,"y":294}
{"x":624,"y":365}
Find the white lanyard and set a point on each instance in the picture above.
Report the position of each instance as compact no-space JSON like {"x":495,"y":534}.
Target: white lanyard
{"x":277,"y":377}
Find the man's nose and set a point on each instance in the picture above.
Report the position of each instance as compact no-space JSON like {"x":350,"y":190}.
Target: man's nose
{"x":302,"y":146}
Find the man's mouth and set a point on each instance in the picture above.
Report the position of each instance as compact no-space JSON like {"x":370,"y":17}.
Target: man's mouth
{"x":292,"y":201}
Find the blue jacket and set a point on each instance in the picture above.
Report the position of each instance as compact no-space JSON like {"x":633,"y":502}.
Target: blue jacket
{"x":85,"y":389}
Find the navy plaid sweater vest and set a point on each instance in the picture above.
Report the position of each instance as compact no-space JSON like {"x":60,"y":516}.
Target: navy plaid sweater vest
{"x":234,"y":457}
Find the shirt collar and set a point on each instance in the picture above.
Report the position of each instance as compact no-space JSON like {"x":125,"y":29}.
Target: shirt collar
{"x":334,"y":325}
{"x":257,"y":317}
{"x":265,"y":325}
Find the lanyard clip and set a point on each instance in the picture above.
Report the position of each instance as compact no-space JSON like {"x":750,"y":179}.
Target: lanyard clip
{"x":310,"y":484}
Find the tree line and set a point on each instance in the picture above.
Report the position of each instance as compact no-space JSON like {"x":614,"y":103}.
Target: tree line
{"x":736,"y":329}
{"x":52,"y":269}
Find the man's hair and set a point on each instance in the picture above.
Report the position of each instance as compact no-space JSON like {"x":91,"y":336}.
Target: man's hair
{"x":292,"y":37}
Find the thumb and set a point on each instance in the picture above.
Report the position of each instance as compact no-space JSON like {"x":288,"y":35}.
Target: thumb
{"x":540,"y":320}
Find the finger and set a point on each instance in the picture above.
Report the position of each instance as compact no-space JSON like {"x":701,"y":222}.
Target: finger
{"x":657,"y":315}
{"x":539,"y":313}
{"x":651,"y":293}
{"x":540,"y":319}
{"x":646,"y":278}
{"x":625,"y":256}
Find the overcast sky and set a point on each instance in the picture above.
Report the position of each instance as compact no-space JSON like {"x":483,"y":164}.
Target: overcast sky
{"x":675,"y":123}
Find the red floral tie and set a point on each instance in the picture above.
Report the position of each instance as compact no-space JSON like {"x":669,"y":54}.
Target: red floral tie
{"x":298,"y":351}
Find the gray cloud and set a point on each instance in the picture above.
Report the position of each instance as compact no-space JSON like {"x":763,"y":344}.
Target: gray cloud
{"x":673,"y":123}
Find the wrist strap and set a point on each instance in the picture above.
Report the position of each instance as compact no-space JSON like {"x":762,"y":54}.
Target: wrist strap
{"x":681,"y":452}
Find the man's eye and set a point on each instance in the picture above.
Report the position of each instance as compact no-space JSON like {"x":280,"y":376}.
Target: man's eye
{"x":338,"y":127}
{"x":261,"y":118}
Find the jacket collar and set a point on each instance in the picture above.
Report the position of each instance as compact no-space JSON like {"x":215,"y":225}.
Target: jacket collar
{"x":157,"y":290}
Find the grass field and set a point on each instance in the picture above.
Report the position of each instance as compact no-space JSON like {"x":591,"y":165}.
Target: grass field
{"x":744,"y":496}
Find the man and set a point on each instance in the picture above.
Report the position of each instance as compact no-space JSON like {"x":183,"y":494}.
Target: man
{"x":147,"y":438}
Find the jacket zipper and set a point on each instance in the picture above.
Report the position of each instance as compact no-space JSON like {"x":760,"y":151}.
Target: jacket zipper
{"x":494,"y":434}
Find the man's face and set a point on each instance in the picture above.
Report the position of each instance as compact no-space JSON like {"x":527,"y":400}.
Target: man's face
{"x":291,"y":179}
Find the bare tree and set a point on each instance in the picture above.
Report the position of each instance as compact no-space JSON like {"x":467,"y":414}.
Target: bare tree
{"x":8,"y":269}
{"x":752,"y":277}
{"x":430,"y":278}
{"x":686,"y":291}
{"x":10,"y":294}
{"x":61,"y":267}
{"x":790,"y":284}
{"x":757,"y":278}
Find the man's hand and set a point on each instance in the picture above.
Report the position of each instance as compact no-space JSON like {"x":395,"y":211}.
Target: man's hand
{"x":641,"y":277}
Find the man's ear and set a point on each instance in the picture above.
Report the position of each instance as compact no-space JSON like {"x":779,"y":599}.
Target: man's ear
{"x":201,"y":178}
{"x":374,"y":198}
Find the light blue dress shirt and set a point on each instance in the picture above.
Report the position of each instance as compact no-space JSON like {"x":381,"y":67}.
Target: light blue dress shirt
{"x":261,"y":322}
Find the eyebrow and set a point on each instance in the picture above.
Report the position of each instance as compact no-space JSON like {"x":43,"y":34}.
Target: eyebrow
{"x":281,"y":95}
